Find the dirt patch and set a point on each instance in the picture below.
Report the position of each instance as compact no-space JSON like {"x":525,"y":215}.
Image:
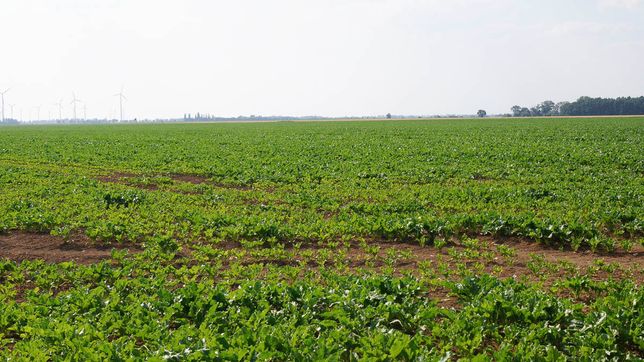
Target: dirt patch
{"x":198,"y":180}
{"x":507,"y":258}
{"x":444,"y":297}
{"x":581,"y":258}
{"x":231,"y":186}
{"x":193,"y":179}
{"x":19,"y":246}
{"x":125,"y":178}
{"x":117,"y":177}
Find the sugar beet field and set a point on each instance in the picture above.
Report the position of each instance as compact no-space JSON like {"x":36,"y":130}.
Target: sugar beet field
{"x":515,"y":239}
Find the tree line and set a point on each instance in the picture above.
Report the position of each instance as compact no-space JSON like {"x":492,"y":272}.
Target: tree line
{"x":584,"y":106}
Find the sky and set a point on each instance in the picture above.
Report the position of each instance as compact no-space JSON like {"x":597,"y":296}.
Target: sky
{"x":314,"y":57}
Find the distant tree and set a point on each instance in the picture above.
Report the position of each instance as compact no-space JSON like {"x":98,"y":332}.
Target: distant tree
{"x":481,"y":113}
{"x":561,"y":108}
{"x":525,"y":112}
{"x":546,"y":108}
{"x":516,"y":111}
{"x":585,"y":106}
{"x":388,"y":115}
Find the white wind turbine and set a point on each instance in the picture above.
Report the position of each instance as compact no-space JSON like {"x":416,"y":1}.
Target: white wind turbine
{"x":74,"y":102}
{"x":2,"y":95}
{"x":121,"y":98}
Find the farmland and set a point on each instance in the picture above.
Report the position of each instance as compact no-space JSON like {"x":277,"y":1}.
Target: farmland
{"x":399,"y":240}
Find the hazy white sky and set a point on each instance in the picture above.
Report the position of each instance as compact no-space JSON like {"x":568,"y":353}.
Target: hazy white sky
{"x":316,"y":57}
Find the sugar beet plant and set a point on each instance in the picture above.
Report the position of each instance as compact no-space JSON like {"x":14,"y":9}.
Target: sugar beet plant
{"x":160,"y":312}
{"x":567,"y":182}
{"x":264,"y":241}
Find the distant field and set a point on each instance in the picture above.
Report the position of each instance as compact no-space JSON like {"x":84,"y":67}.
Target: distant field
{"x":347,"y":240}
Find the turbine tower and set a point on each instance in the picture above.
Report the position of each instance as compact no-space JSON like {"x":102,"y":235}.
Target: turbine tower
{"x":60,"y":109}
{"x":121,"y":98}
{"x":2,"y":95}
{"x":74,"y":102}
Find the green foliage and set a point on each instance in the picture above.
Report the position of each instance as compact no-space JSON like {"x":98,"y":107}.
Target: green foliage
{"x":159,"y":311}
{"x":568,"y":182}
{"x":124,"y":199}
{"x":571,"y":182}
{"x":185,"y":193}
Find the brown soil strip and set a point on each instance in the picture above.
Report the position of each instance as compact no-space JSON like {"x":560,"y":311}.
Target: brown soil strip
{"x":117,"y":177}
{"x":19,"y":246}
{"x":193,"y":179}
{"x":582,"y":258}
{"x":533,"y":261}
{"x":124,"y":179}
{"x":198,"y":180}
{"x":529,"y":261}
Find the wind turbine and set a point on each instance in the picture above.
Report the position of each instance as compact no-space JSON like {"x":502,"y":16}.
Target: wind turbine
{"x":121,"y":98}
{"x":74,"y":102}
{"x":85,"y":111}
{"x":11,"y":106}
{"x":60,"y":109}
{"x":2,"y":95}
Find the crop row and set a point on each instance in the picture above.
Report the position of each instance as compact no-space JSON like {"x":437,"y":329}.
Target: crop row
{"x":159,"y":312}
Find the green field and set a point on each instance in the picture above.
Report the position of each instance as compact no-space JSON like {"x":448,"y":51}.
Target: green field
{"x":401,"y":240}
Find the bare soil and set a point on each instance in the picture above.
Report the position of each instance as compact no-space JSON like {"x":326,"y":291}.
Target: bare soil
{"x":124,"y":179}
{"x":193,"y":179}
{"x":521,"y":259}
{"x":19,"y":246}
{"x":529,"y":260}
{"x":582,"y":258}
